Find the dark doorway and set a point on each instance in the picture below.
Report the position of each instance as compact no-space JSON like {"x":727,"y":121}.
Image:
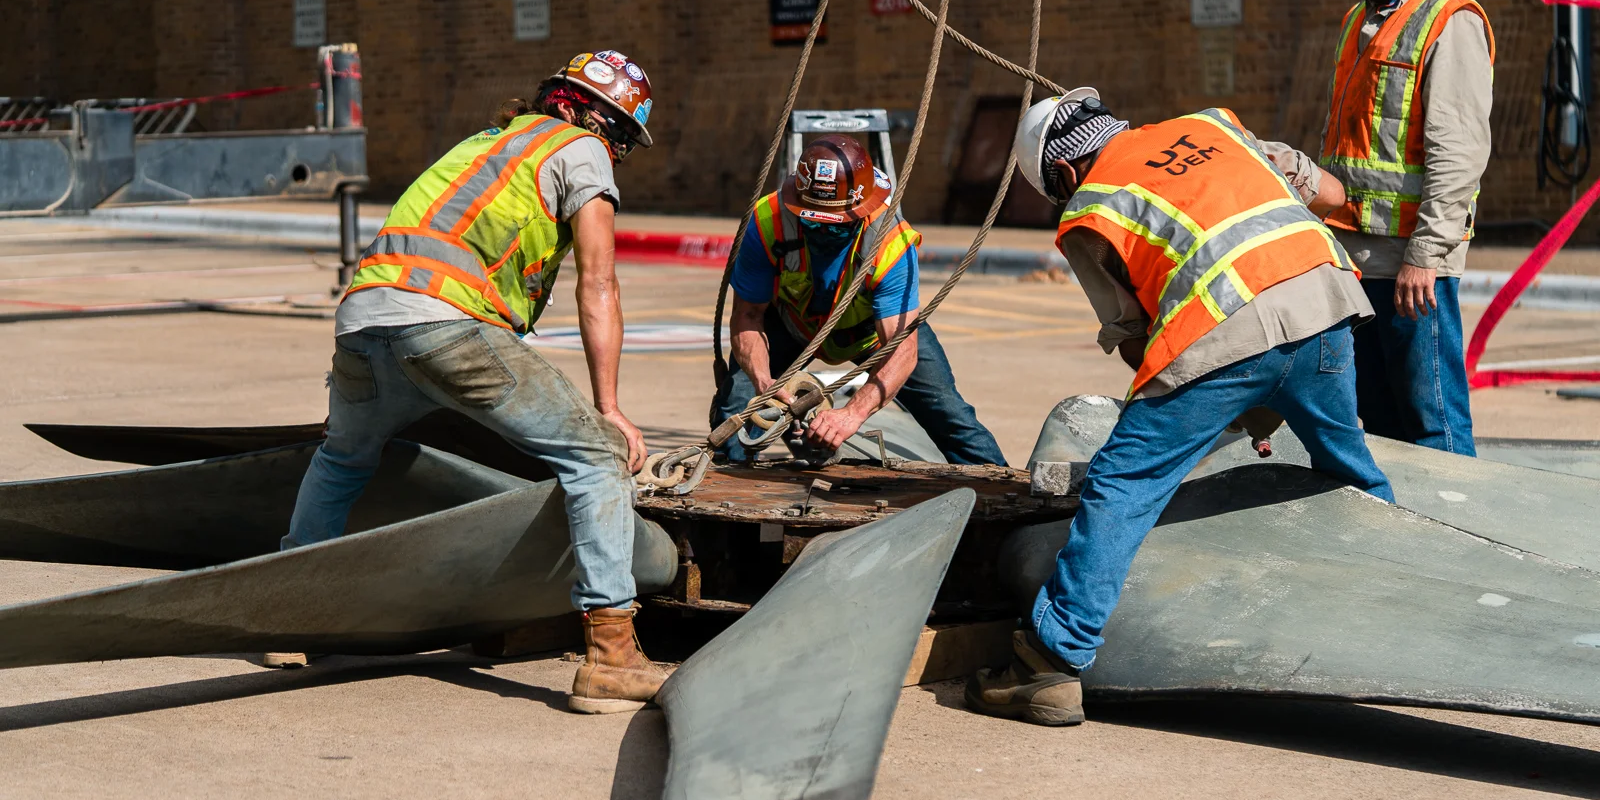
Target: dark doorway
{"x":983,"y":156}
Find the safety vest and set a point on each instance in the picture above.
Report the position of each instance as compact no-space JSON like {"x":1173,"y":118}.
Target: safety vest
{"x":1204,"y":222}
{"x":1373,"y":138}
{"x":473,"y":230}
{"x":886,"y":238}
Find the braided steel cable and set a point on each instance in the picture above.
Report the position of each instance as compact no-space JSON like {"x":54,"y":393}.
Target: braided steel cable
{"x":720,"y":365}
{"x":967,"y":260}
{"x":993,"y":58}
{"x":860,"y":277}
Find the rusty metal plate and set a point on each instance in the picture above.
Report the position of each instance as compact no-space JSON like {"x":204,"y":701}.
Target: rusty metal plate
{"x":774,"y":493}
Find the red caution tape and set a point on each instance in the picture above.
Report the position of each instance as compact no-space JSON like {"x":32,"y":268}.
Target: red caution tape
{"x":1508,"y":294}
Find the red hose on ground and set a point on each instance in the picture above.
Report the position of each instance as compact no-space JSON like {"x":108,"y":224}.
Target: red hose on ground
{"x":1507,"y":297}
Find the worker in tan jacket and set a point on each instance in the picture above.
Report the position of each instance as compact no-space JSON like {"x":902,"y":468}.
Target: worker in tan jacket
{"x":1408,"y":136}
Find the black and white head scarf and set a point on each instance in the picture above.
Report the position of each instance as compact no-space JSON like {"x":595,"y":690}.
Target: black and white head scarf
{"x":1069,"y":145}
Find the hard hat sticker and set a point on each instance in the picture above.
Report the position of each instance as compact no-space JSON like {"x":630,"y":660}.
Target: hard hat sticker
{"x":641,"y":114}
{"x":802,"y":177}
{"x":879,"y":178}
{"x":578,"y":61}
{"x":612,"y":57}
{"x":599,"y":72}
{"x":820,"y":216}
{"x":624,"y":90}
{"x":634,"y":72}
{"x":827,"y":171}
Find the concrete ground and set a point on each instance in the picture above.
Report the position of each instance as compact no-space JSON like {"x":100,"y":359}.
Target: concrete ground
{"x":448,"y":724}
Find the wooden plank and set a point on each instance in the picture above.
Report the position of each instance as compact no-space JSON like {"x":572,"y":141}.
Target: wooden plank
{"x":958,"y":650}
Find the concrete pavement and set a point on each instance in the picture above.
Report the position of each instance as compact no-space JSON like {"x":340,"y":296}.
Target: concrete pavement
{"x":451,"y":725}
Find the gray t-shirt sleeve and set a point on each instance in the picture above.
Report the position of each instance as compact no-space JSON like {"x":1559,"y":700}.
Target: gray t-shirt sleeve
{"x":576,"y":174}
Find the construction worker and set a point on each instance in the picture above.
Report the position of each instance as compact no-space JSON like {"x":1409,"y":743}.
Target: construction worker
{"x":464,"y":264}
{"x":800,"y":251}
{"x":1221,"y":289}
{"x":1408,"y":136}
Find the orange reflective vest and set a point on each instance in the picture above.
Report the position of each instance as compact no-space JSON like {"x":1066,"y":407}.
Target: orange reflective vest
{"x":1373,"y":139}
{"x":885,"y":238}
{"x":473,"y":230}
{"x":1204,"y":222}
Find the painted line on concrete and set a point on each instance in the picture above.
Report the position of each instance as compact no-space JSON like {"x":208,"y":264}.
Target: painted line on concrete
{"x":1541,"y":362}
{"x":212,"y":272}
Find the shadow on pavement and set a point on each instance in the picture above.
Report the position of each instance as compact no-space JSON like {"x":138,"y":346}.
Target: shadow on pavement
{"x":641,"y":772}
{"x":450,"y":667}
{"x":1359,"y":733}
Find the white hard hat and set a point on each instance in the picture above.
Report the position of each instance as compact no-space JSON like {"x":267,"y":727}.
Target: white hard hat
{"x":1033,"y":129}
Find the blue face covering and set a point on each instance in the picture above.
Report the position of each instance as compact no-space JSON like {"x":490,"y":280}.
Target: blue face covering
{"x":821,"y":234}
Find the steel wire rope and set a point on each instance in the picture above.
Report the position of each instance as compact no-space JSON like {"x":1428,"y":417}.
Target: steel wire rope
{"x":941,"y":27}
{"x":720,"y":366}
{"x":860,"y":276}
{"x":983,"y":232}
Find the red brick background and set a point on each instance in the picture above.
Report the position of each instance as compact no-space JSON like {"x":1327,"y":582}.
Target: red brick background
{"x":436,"y":69}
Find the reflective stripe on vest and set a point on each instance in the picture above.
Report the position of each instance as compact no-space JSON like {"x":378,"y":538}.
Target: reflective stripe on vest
{"x":1372,"y":141}
{"x":887,"y":239}
{"x":478,"y":205}
{"x":1207,"y":238}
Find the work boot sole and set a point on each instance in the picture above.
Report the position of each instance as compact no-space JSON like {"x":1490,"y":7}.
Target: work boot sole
{"x":1049,"y":716}
{"x":592,"y":705}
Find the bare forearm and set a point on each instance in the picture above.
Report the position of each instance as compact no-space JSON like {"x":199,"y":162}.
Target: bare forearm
{"x":600,"y":324}
{"x":750,"y":345}
{"x":884,"y":382}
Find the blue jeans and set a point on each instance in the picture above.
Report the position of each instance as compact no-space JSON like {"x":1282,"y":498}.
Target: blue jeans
{"x":929,"y":394}
{"x":1157,"y":442}
{"x":385,"y":378}
{"x":1411,"y":377}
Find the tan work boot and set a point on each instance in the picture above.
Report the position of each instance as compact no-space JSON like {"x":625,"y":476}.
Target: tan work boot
{"x":615,"y":675}
{"x":1037,"y":687}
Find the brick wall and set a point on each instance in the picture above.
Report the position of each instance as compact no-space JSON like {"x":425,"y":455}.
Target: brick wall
{"x":436,"y":69}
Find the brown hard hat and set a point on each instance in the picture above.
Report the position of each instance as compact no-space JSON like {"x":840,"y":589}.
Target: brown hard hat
{"x":835,"y":182}
{"x":618,"y":82}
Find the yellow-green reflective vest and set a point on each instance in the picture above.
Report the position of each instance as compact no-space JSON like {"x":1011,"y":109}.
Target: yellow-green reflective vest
{"x":886,"y":238}
{"x":473,"y":230}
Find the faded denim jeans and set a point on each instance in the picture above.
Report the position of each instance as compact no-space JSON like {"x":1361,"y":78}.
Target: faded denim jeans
{"x":1411,"y":375}
{"x":1158,"y":441}
{"x":385,"y":378}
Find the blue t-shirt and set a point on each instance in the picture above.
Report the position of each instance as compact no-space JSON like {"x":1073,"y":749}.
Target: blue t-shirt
{"x":754,"y":277}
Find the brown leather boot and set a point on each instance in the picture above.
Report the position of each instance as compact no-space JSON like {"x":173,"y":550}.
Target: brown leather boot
{"x":615,"y":675}
{"x":1037,"y":687}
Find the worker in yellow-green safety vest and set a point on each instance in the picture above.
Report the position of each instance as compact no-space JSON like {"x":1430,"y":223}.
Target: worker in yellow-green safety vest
{"x":464,"y":263}
{"x":799,"y":255}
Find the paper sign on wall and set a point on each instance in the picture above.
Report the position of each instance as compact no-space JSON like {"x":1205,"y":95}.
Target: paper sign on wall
{"x":310,"y":23}
{"x":1216,"y":13}
{"x":532,"y":20}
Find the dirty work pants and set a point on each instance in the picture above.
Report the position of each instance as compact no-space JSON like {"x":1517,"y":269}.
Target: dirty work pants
{"x":1411,"y":376}
{"x":385,"y":378}
{"x":929,"y":394}
{"x":1156,"y":443}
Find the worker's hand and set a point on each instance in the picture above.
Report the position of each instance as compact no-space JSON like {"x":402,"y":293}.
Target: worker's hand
{"x":636,"y":448}
{"x":1413,"y":291}
{"x":831,"y":426}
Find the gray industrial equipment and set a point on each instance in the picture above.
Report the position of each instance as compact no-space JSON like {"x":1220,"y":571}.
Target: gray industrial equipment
{"x":1276,"y":580}
{"x":872,"y":123}
{"x":98,"y":154}
{"x":447,"y":552}
{"x":796,"y":698}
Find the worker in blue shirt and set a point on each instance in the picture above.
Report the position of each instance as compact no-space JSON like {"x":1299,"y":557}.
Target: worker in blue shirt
{"x":799,"y":254}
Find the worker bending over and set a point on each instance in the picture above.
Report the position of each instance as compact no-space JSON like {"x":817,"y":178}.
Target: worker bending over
{"x":1408,"y":135}
{"x":1224,"y":293}
{"x":463,"y":266}
{"x":800,"y":252}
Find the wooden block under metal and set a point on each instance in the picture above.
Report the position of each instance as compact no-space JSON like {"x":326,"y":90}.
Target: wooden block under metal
{"x":687,"y":585}
{"x":556,"y":633}
{"x":958,"y":650}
